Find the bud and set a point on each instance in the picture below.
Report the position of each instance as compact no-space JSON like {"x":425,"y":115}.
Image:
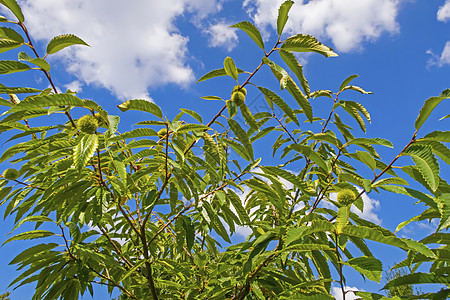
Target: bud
{"x":238,"y":98}
{"x":88,"y":124}
{"x":346,"y":197}
{"x":162,"y":133}
{"x":11,"y":174}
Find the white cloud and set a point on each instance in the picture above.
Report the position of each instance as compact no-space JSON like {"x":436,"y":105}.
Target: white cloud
{"x":135,"y":44}
{"x":75,"y":86}
{"x":443,"y":13}
{"x":442,"y":59}
{"x":337,"y":293}
{"x":348,"y":23}
{"x":221,"y":35}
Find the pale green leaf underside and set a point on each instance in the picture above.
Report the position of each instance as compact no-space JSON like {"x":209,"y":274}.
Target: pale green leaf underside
{"x":62,"y":41}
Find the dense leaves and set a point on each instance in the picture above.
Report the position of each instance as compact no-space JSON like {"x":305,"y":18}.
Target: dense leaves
{"x":156,"y":212}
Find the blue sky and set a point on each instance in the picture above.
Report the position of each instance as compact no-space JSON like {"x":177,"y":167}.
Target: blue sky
{"x":156,"y":50}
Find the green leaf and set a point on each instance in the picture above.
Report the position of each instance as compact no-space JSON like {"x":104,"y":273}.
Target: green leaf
{"x":294,"y":90}
{"x":293,"y":64}
{"x":10,"y":34}
{"x":18,"y":90}
{"x":242,"y":136}
{"x":426,"y":110}
{"x":368,"y":266}
{"x":212,"y":74}
{"x":439,"y":136}
{"x":193,"y":114}
{"x":444,"y":209}
{"x":62,"y":41}
{"x":378,"y":236}
{"x":14,"y":8}
{"x":426,"y":163}
{"x":29,"y":235}
{"x":347,"y":81}
{"x":191,"y":127}
{"x":278,"y":71}
{"x":12,"y":66}
{"x":84,"y":150}
{"x":248,"y":117}
{"x":372,"y":296}
{"x":27,"y":253}
{"x":307,"y":43}
{"x":53,"y":100}
{"x":141,"y":105}
{"x":40,"y":62}
{"x":280,"y":103}
{"x":309,"y":153}
{"x":357,"y":88}
{"x":373,"y":141}
{"x":6,"y":45}
{"x":252,"y":31}
{"x":237,"y":204}
{"x":283,"y":15}
{"x":230,"y":68}
{"x":417,"y":278}
{"x":342,"y":218}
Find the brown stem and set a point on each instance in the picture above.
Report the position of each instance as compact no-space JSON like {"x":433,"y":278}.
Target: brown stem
{"x":114,"y":245}
{"x":285,"y":129}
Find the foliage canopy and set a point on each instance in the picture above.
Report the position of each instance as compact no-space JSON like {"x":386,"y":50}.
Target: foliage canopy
{"x":150,"y":212}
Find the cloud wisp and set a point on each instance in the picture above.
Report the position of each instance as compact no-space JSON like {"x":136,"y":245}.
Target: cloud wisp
{"x":347,"y":23}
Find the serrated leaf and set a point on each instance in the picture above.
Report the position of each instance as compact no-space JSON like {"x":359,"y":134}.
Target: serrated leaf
{"x":278,"y":71}
{"x":10,"y":34}
{"x":358,"y":89}
{"x":84,"y":150}
{"x":307,"y":43}
{"x":53,"y":100}
{"x":358,"y":107}
{"x":215,"y":73}
{"x":377,"y":236}
{"x":140,"y":132}
{"x":62,"y":41}
{"x":248,"y":117}
{"x":347,"y":81}
{"x":6,"y":45}
{"x":372,"y":141}
{"x":14,"y":8}
{"x":294,"y":90}
{"x":193,"y":114}
{"x":230,"y":68}
{"x":439,"y":136}
{"x":29,"y":235}
{"x":27,"y":253}
{"x":293,"y":64}
{"x":283,"y":15}
{"x":426,"y":163}
{"x":309,"y":153}
{"x":443,"y":202}
{"x":242,"y":136}
{"x":426,"y":110}
{"x":342,"y":218}
{"x":40,"y":62}
{"x":191,"y":127}
{"x":232,"y":108}
{"x":417,"y":278}
{"x":368,"y":266}
{"x":252,"y":31}
{"x":211,"y":98}
{"x":18,"y":90}
{"x":12,"y":66}
{"x":280,"y":103}
{"x":141,"y":105}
